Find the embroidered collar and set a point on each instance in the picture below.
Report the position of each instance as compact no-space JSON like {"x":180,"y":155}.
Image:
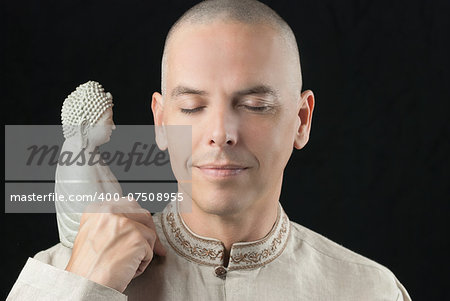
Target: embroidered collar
{"x":210,"y":251}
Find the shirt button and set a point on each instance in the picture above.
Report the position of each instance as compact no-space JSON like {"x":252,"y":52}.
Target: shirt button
{"x":220,"y":271}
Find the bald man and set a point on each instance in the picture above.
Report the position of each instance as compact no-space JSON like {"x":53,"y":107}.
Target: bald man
{"x":231,"y":70}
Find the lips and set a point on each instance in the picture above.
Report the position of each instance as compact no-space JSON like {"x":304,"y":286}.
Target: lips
{"x":222,"y":170}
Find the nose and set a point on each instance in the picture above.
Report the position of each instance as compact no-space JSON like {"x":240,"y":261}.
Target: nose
{"x":223,"y":125}
{"x":113,"y":125}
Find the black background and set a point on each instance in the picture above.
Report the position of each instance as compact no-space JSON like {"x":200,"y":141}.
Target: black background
{"x":373,"y":176}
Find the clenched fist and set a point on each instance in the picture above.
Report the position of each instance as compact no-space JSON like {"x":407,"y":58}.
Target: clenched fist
{"x":115,"y":243}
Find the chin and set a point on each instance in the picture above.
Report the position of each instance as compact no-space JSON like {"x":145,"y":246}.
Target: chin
{"x":221,"y":205}
{"x":104,"y":141}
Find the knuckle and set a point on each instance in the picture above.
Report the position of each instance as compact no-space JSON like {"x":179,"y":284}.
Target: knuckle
{"x":124,"y":222}
{"x":107,"y":208}
{"x":137,"y":240}
{"x":136,"y":237}
{"x":147,"y":214}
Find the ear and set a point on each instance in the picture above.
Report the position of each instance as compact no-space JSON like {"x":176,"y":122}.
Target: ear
{"x":84,"y":126}
{"x":305,"y":110}
{"x":160,"y":132}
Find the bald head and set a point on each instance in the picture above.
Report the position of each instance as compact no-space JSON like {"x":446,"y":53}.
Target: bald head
{"x":248,"y":12}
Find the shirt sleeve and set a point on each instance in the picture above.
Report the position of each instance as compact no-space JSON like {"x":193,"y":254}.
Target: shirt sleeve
{"x":40,"y":281}
{"x":402,"y":293}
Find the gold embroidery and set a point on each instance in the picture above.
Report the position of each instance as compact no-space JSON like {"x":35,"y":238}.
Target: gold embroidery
{"x":198,"y":252}
{"x":194,"y":250}
{"x":255,"y":257}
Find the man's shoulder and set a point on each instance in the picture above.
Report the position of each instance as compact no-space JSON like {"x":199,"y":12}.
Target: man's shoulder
{"x":328,"y":248}
{"x":336,"y":257}
{"x":343,"y":267}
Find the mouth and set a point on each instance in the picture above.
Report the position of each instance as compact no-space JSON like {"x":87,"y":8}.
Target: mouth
{"x":222,"y":171}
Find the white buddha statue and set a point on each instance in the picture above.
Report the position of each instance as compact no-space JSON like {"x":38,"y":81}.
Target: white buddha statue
{"x":87,"y":123}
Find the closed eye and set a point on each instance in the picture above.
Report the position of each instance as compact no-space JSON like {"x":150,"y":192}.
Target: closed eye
{"x":258,"y":109}
{"x":191,"y":111}
{"x":250,"y":108}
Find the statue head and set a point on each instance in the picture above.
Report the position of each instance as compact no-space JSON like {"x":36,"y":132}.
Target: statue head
{"x":86,"y":115}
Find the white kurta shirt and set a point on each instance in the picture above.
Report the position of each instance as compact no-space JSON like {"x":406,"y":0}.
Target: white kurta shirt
{"x":290,"y":263}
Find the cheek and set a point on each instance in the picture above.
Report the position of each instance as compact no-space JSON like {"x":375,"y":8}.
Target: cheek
{"x":99,"y":134}
{"x":171,"y":115}
{"x":180,"y":150}
{"x":270,"y":143}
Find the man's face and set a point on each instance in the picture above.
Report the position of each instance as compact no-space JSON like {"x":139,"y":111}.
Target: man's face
{"x":233,"y":83}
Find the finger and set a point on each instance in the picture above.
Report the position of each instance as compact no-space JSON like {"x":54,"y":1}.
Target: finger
{"x":127,"y":205}
{"x":149,"y":234}
{"x":132,"y":210}
{"x":148,"y":255}
{"x":146,"y":218}
{"x":159,"y":248}
{"x":147,"y":221}
{"x":150,"y":237}
{"x":142,"y":216}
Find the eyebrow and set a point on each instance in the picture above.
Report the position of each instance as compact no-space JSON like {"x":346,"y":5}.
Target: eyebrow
{"x":183,"y":90}
{"x":258,"y":89}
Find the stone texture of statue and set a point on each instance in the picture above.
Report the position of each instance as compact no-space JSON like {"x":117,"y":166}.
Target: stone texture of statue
{"x":87,"y":120}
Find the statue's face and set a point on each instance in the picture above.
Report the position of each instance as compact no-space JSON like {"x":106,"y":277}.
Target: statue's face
{"x":233,"y":84}
{"x":100,"y":132}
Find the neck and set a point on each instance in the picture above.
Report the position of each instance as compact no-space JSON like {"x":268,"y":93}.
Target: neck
{"x":90,"y":148}
{"x":73,"y":145}
{"x":249,"y":224}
